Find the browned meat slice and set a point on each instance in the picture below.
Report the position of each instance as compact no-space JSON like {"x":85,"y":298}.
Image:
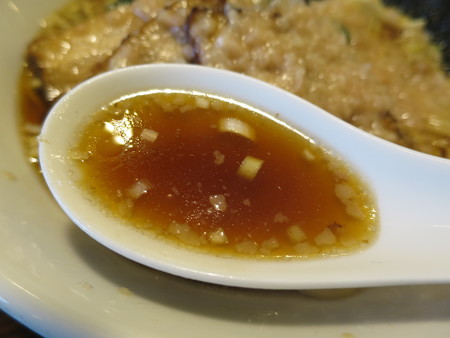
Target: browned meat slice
{"x":64,"y":59}
{"x":164,"y":38}
{"x":154,"y":44}
{"x":145,"y":31}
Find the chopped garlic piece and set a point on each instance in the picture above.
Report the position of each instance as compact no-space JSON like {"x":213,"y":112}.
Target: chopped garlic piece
{"x":348,"y":241}
{"x":233,"y":125}
{"x":296,"y":234}
{"x":202,"y":102}
{"x":219,"y":202}
{"x":344,"y":192}
{"x":139,"y":188}
{"x":149,"y":135}
{"x":305,"y":248}
{"x":280,"y":218}
{"x":269,"y":245}
{"x":249,"y":167}
{"x":125,"y":207}
{"x":354,"y":210}
{"x":218,"y":237}
{"x":219,"y":158}
{"x":346,"y":195}
{"x":326,"y":237}
{"x":247,"y":247}
{"x":178,"y":228}
{"x":184,"y":233}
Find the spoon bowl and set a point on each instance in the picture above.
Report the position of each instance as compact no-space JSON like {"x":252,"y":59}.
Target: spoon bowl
{"x":412,"y":189}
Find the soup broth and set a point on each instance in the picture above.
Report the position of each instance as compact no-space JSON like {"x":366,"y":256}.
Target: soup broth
{"x":217,"y":176}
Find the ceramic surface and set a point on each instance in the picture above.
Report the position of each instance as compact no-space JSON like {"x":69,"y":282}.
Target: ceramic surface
{"x":410,"y":189}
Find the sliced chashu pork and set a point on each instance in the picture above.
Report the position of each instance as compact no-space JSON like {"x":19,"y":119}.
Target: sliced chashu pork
{"x":146,"y":31}
{"x":165,"y":37}
{"x":153,"y":44}
{"x":65,"y":58}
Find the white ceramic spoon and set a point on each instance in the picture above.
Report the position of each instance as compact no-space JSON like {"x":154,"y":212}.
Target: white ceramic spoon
{"x":412,"y":190}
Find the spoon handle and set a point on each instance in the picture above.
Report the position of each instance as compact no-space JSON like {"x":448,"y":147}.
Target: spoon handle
{"x":413,"y":194}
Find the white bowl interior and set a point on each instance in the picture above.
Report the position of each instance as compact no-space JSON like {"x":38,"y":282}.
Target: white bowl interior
{"x":59,"y":282}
